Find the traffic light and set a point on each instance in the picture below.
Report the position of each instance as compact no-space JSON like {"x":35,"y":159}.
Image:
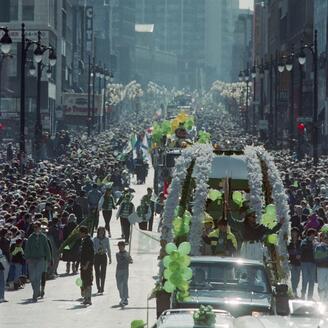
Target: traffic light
{"x":301,"y":128}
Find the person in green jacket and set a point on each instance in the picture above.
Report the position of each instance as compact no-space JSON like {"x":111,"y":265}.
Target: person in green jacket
{"x":37,"y":253}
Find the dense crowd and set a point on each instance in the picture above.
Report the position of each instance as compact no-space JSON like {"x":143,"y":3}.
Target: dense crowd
{"x":43,"y":202}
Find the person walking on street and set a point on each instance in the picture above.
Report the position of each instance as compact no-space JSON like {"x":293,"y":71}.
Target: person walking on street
{"x":144,"y":209}
{"x":102,"y":251}
{"x":37,"y":253}
{"x":106,"y":205}
{"x":308,"y":266}
{"x":87,"y":259}
{"x":123,"y":260}
{"x":321,"y":259}
{"x":3,"y":264}
{"x":125,"y":210}
{"x":94,"y":196}
{"x":294,"y":251}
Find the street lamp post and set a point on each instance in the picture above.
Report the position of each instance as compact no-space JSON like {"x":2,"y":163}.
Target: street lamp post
{"x":302,"y":60}
{"x":106,"y":79}
{"x":254,"y":98}
{"x":245,"y":77}
{"x":89,"y":96}
{"x":93,"y":77}
{"x":38,"y":54}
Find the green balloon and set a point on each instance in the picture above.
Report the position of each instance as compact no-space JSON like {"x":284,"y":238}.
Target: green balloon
{"x":174,"y":255}
{"x":187,"y":273}
{"x":167,"y":274}
{"x":166,"y":261}
{"x":78,"y":282}
{"x":176,"y":279}
{"x":174,"y":266}
{"x":187,"y":216}
{"x":170,"y":248}
{"x":185,"y":260}
{"x":184,"y":248}
{"x":184,"y":286}
{"x":169,"y":287}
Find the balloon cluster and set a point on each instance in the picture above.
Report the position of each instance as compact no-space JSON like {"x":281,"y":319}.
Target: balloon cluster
{"x":181,"y":225}
{"x":160,"y":130}
{"x":269,"y":219}
{"x":204,"y":316}
{"x":204,"y":137}
{"x":177,"y":272}
{"x":187,"y":120}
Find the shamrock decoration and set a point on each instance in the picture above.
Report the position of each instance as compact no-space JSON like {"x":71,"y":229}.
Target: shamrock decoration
{"x":204,"y":316}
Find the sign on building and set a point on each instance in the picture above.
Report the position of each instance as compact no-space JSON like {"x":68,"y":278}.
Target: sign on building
{"x":76,"y":104}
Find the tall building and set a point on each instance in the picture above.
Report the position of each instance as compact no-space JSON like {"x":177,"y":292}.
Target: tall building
{"x":242,"y":49}
{"x":123,"y":38}
{"x":46,"y":16}
{"x":320,"y":25}
{"x":219,"y":27}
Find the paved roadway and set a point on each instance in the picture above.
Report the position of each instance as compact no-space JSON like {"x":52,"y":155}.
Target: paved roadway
{"x":60,"y":307}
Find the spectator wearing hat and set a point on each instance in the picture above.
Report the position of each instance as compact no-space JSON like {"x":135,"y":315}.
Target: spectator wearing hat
{"x":294,"y":252}
{"x":37,"y":254}
{"x":308,"y":267}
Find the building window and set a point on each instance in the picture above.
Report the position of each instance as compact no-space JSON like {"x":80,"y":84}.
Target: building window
{"x":28,"y":10}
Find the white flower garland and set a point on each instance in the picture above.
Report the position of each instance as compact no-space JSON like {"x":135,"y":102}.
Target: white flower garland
{"x":202,"y":170}
{"x":255,"y":181}
{"x":280,"y":199}
{"x":182,"y":164}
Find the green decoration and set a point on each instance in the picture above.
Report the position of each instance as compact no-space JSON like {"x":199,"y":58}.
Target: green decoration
{"x":174,"y":255}
{"x":167,"y":273}
{"x":170,"y":248}
{"x":205,"y":316}
{"x":204,"y":137}
{"x":78,"y":282}
{"x":184,"y":248}
{"x":176,"y":279}
{"x":295,"y":184}
{"x":189,"y":123}
{"x":184,"y":286}
{"x":185,"y":260}
{"x":166,"y":261}
{"x":324,"y":229}
{"x":169,"y":287}
{"x":187,"y":273}
{"x":166,"y":127}
{"x":238,"y":198}
{"x":214,"y":195}
{"x":138,"y":324}
{"x":273,"y":239}
{"x":174,"y":266}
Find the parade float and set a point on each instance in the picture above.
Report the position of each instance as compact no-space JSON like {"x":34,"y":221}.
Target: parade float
{"x":168,"y":138}
{"x":202,"y":173}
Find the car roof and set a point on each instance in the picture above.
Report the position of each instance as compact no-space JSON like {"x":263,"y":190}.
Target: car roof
{"x":222,"y":259}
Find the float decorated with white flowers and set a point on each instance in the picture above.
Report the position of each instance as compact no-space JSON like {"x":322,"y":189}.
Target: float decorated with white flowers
{"x":206,"y":182}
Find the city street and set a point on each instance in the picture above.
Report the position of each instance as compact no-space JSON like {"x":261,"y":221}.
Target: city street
{"x":60,"y":307}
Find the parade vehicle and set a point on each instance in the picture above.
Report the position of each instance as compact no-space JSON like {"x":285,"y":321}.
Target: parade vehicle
{"x":183,"y":318}
{"x":236,"y":285}
{"x":208,"y":180}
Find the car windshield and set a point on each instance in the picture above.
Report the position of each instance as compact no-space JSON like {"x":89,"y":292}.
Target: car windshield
{"x":229,"y":276}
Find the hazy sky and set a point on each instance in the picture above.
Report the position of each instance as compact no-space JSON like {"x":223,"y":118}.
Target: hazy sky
{"x":246,"y":4}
